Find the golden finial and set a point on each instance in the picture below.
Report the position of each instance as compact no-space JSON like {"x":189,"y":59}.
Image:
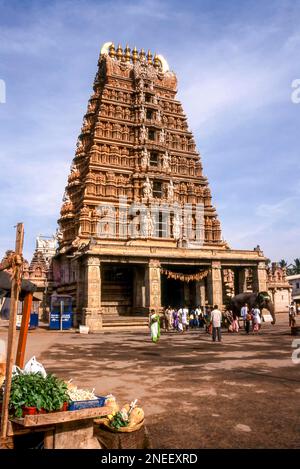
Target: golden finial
{"x":112,"y":51}
{"x":149,"y":57}
{"x":157,"y":62}
{"x":119,"y":52}
{"x":127,"y":53}
{"x":142,"y":55}
{"x":135,"y":55}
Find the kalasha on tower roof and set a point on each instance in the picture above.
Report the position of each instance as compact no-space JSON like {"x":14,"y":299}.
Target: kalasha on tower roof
{"x":134,"y":143}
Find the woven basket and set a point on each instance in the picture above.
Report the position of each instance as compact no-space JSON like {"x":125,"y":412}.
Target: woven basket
{"x":105,"y":423}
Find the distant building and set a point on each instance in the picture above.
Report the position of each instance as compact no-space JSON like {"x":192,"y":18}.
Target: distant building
{"x":47,"y":246}
{"x":279,"y":287}
{"x":39,"y":272}
{"x":294,"y":281}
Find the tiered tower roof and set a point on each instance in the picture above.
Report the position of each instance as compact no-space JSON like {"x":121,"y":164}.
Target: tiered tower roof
{"x":135,"y":144}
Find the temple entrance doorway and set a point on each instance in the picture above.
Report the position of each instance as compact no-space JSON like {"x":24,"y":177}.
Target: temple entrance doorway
{"x":172,"y":293}
{"x":178,"y":293}
{"x":123,"y":291}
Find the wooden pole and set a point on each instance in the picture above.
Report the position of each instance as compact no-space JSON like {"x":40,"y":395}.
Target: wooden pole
{"x":11,"y":340}
{"x":24,"y":330}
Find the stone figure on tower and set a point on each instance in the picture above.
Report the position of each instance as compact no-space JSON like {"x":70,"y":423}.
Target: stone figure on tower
{"x":162,"y":136}
{"x":170,"y":191}
{"x":166,"y":160}
{"x":142,"y":114}
{"x":177,"y":226}
{"x":147,"y":189}
{"x":145,"y":159}
{"x":148,"y":225}
{"x":143,"y":133}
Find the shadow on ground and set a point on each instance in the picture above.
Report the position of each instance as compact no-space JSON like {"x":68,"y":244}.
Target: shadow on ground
{"x":242,"y":393}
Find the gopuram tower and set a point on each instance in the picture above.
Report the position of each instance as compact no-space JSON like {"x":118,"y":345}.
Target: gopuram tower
{"x":137,"y":228}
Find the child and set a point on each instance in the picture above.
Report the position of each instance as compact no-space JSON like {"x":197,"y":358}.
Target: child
{"x":248,"y":320}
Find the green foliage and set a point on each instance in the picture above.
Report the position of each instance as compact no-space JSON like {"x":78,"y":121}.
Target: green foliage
{"x":33,"y":390}
{"x":118,"y":421}
{"x":296,"y":266}
{"x":291,"y":269}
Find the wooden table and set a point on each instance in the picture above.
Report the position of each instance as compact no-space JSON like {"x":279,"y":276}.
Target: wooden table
{"x":62,"y":430}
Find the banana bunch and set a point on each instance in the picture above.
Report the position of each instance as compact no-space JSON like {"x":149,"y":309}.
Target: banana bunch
{"x":128,"y":416}
{"x":136,"y":417}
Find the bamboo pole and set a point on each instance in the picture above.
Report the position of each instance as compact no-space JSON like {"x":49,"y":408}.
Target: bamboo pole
{"x":11,"y":341}
{"x":24,"y":330}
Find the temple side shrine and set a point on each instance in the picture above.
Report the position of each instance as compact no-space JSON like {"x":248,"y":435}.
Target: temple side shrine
{"x":137,"y":227}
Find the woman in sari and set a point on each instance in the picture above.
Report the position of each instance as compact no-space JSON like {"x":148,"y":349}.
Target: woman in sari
{"x":235,"y":323}
{"x":154,"y":323}
{"x":175,"y":319}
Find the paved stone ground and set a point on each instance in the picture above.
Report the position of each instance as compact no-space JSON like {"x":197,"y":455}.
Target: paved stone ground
{"x":242,"y":393}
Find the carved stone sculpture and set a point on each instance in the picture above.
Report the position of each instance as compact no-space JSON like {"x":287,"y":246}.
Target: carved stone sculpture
{"x":147,"y":189}
{"x":144,"y":159}
{"x":170,"y":191}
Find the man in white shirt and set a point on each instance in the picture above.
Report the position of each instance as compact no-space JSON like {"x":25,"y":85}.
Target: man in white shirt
{"x":216,"y":319}
{"x":244,"y":312}
{"x":184,"y":318}
{"x":198,"y":317}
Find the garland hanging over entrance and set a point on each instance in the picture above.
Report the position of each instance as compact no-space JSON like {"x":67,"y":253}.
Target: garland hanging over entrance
{"x":185,"y":277}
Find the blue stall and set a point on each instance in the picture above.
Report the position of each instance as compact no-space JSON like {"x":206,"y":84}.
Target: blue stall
{"x":61,"y":314}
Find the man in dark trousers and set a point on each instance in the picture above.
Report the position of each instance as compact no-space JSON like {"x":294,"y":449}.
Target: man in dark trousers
{"x":216,"y":320}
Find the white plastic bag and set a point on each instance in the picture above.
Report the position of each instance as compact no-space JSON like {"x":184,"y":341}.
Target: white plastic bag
{"x":16,"y":370}
{"x":33,"y":366}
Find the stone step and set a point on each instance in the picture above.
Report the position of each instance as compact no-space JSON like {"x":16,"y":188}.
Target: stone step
{"x":124,"y":318}
{"x":119,"y":325}
{"x":114,"y":327}
{"x":124,"y":321}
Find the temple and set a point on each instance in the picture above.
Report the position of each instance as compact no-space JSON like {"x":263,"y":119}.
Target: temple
{"x":137,"y":228}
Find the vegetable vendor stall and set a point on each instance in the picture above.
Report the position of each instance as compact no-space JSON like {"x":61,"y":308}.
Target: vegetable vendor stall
{"x":34,"y":402}
{"x":62,"y":428}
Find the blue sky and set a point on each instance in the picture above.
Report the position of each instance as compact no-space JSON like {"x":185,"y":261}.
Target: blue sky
{"x":235,"y":63}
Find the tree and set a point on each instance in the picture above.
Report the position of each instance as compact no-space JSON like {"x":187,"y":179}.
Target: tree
{"x":283,"y":264}
{"x":296,"y":266}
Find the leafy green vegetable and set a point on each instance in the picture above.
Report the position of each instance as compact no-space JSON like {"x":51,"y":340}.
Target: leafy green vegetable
{"x":33,"y":390}
{"x":118,"y":421}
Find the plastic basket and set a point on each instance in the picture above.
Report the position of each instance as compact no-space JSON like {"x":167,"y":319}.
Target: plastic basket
{"x":78,"y":405}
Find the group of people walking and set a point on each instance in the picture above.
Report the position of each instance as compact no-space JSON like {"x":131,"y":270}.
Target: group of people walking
{"x":211,"y":319}
{"x":182,"y":319}
{"x":251,"y":318}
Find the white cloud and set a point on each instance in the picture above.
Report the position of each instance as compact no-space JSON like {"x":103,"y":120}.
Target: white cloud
{"x":227,"y":89}
{"x":276,"y":211}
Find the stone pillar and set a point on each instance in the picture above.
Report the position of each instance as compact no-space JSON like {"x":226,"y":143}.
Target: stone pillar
{"x":77,"y":319}
{"x":92,"y":315}
{"x":214,"y":285}
{"x":242,"y":273}
{"x":200,"y":293}
{"x":139,"y":300}
{"x":186,"y":294}
{"x":260,"y":277}
{"x":153,"y":285}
